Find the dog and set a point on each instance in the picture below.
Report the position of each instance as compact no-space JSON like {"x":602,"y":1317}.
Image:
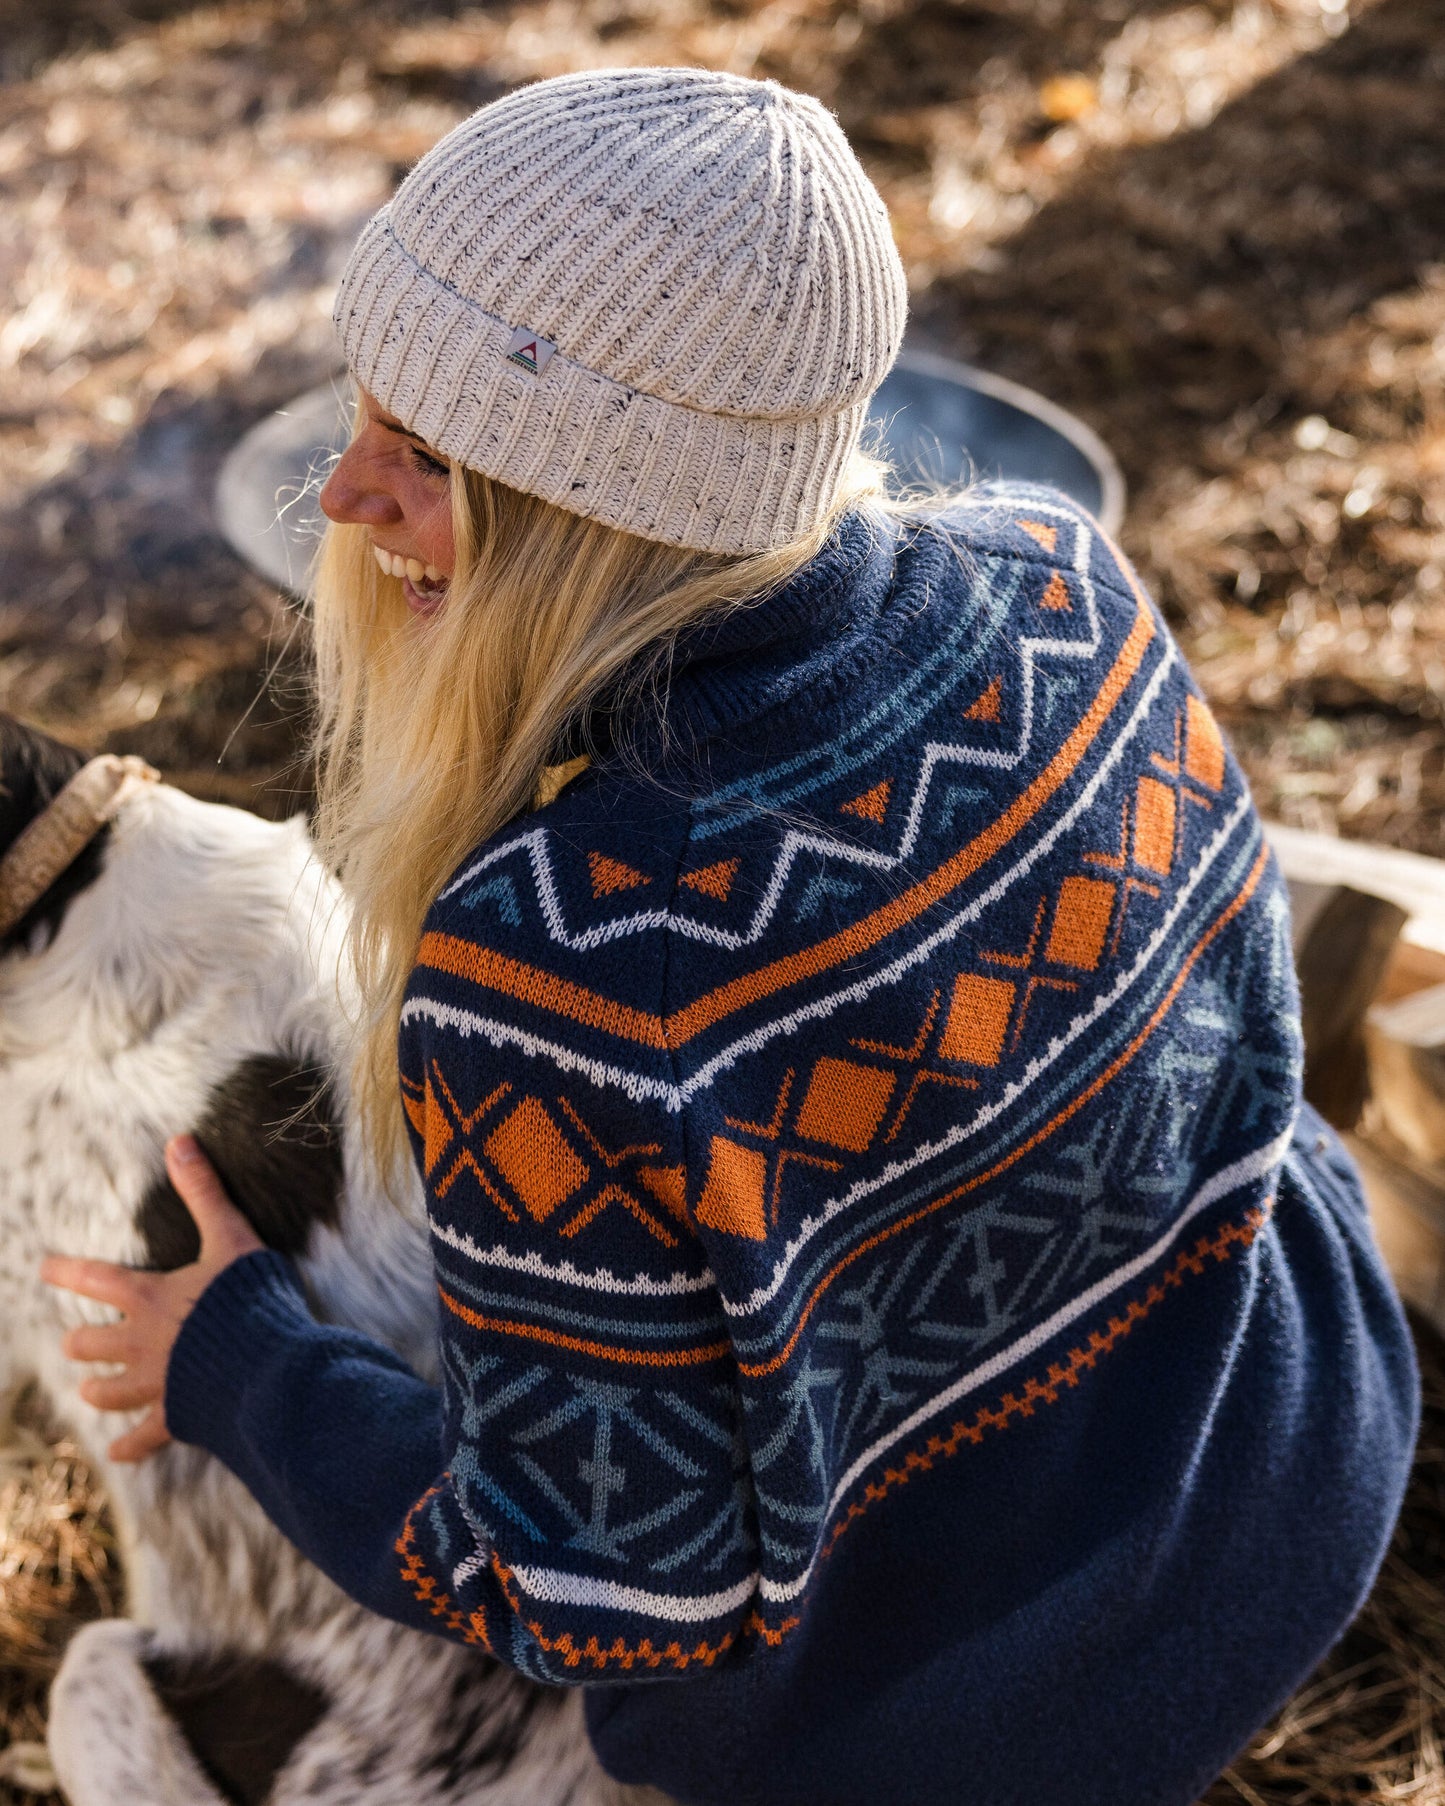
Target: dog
{"x":186,"y":971}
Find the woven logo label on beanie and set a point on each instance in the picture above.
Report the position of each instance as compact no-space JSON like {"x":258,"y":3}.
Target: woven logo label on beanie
{"x":530,"y":350}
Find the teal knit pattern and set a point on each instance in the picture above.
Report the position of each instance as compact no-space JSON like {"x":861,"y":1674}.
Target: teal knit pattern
{"x":845,"y":1095}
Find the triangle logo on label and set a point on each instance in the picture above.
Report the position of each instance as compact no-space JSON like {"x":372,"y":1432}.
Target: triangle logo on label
{"x":530,"y":351}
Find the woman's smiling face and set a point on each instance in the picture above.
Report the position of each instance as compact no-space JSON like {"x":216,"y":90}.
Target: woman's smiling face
{"x":393,"y":484}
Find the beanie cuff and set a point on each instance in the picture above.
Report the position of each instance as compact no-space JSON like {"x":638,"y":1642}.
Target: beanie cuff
{"x":713,"y":482}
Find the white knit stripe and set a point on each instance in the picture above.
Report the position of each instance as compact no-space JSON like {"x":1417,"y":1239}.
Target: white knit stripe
{"x":533,"y":1266}
{"x":1247,"y":1170}
{"x":558,"y":1588}
{"x":555,"y":1588}
{"x":636,"y":1085}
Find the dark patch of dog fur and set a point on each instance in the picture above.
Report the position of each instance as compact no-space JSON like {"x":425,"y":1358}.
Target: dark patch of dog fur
{"x":33,"y":770}
{"x":241,"y":1715}
{"x":271,"y":1131}
{"x":482,"y":1731}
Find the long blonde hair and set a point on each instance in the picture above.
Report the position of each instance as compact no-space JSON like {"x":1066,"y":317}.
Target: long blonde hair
{"x":432,"y":733}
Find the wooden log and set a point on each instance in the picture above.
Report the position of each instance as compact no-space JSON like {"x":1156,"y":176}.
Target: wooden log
{"x":1343,"y":939}
{"x":1407,"y":1210}
{"x":1411,"y":968}
{"x":1405,"y":1047}
{"x":1412,"y":881}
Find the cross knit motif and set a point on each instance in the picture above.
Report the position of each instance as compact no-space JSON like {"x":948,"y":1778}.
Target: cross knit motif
{"x":881,"y":1282}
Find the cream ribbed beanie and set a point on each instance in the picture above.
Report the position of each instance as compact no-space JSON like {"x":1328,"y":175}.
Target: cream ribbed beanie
{"x":657,"y":297}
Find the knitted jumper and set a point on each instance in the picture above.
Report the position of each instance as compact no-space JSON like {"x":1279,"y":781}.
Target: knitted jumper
{"x":884,"y":1288}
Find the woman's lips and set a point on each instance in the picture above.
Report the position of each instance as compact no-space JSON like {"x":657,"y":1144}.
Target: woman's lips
{"x":423,"y":585}
{"x":425,"y":599}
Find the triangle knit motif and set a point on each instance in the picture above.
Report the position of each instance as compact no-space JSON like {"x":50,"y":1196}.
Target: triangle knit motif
{"x":1047,"y":537}
{"x":609,"y":875}
{"x":872,"y":805}
{"x":989,"y":706}
{"x":1057,"y":593}
{"x":668,"y":1184}
{"x":713,"y":880}
{"x":437,"y":1134}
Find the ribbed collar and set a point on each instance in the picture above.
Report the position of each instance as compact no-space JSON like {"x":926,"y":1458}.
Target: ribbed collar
{"x":727,"y":670}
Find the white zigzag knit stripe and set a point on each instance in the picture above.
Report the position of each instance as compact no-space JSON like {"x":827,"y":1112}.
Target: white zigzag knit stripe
{"x":936,"y":754}
{"x":639,"y":1085}
{"x":643,"y":1285}
{"x":582,"y":1589}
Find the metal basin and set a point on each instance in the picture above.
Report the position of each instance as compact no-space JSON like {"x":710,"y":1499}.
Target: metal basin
{"x":939,"y":423}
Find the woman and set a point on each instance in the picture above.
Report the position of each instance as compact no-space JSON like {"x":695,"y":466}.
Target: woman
{"x":843,"y":1015}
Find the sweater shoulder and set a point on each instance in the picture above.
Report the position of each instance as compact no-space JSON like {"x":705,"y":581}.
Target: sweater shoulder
{"x":604,"y":849}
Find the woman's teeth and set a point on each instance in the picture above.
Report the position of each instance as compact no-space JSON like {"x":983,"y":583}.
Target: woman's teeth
{"x":394,"y":565}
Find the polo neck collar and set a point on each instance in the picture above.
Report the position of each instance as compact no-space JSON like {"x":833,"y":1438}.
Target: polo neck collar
{"x":729,"y":669}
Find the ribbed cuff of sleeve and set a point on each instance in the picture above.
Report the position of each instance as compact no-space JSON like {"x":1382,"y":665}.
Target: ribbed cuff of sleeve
{"x":253,"y":1303}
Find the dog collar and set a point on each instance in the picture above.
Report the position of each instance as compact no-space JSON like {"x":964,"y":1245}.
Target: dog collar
{"x":48,"y":846}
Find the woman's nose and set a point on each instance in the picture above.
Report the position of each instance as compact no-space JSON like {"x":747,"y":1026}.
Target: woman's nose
{"x":353,"y":496}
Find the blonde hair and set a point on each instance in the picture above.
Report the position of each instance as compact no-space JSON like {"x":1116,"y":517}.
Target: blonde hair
{"x":433,"y":733}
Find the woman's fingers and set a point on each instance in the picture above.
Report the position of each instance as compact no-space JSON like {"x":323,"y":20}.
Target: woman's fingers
{"x":225,"y":1233}
{"x":120,"y":1392}
{"x":101,"y":1280}
{"x":148,"y":1435}
{"x":99,"y":1342}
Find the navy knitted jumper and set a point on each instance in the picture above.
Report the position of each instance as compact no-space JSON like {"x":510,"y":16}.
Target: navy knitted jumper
{"x":901,"y":1339}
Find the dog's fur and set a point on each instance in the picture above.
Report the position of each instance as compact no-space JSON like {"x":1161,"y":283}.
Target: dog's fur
{"x":185,"y":975}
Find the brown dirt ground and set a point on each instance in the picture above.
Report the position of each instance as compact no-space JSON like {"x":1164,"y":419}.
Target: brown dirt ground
{"x":1216,"y":230}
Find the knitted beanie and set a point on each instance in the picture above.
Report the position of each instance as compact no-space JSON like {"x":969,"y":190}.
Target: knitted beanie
{"x":660,"y":298}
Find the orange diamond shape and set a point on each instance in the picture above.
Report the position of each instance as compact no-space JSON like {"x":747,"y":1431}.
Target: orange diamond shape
{"x":1081,"y":922}
{"x":978,"y":1019}
{"x":536,"y":1159}
{"x":1203,"y":747}
{"x":1154,"y":819}
{"x":732,"y":1193}
{"x":844,"y":1103}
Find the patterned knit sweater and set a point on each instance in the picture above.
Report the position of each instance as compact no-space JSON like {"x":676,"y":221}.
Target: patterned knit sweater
{"x":885,"y":1288}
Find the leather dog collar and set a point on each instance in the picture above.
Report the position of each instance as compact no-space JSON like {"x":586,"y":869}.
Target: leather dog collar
{"x":50,"y":844}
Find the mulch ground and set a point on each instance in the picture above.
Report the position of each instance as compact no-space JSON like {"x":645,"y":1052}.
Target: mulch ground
{"x":1216,"y":231}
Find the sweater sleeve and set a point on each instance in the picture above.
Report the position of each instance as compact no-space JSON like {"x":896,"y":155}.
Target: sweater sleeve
{"x":422,"y":1511}
{"x":575,"y":1496}
{"x":591,"y":1414}
{"x":333,"y":1434}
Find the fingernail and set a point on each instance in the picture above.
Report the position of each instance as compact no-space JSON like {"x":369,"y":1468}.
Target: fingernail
{"x":183,"y":1149}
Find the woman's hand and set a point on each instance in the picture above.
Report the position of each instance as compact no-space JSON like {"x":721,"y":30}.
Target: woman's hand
{"x":153,"y":1305}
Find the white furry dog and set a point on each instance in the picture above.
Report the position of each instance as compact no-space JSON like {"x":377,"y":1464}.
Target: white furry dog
{"x":182,"y":975}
